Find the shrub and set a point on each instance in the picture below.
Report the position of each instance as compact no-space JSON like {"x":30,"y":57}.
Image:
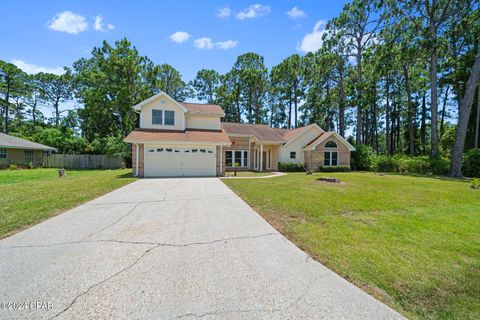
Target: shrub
{"x":385,"y":164}
{"x":290,"y":167}
{"x":335,"y":168}
{"x":471,"y":163}
{"x":12,"y":167}
{"x":363,"y":158}
{"x":419,"y":165}
{"x":475,"y":184}
{"x":440,"y":166}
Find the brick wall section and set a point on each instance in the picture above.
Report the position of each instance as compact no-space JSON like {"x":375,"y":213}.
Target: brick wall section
{"x":217,"y":161}
{"x":315,"y":157}
{"x":140,"y":159}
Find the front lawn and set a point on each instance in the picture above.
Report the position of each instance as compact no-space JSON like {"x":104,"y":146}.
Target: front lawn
{"x":30,"y":196}
{"x":412,"y":242}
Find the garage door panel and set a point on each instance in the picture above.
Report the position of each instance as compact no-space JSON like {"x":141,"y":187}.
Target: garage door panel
{"x":169,"y":162}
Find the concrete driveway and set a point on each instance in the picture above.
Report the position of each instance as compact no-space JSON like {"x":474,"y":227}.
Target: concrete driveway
{"x":169,"y":249}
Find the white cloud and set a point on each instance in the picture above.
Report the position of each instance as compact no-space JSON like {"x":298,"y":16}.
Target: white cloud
{"x":179,"y":36}
{"x":254,"y":11}
{"x":203,"y":43}
{"x":99,"y":26}
{"x":224,"y":12}
{"x":225,"y":45}
{"x":313,"y":41}
{"x":69,"y":22}
{"x":207,"y":43}
{"x":296,"y":13}
{"x":32,"y":69}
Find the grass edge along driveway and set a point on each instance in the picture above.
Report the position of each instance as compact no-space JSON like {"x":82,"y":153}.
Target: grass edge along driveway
{"x":412,"y":242}
{"x":31,"y":196}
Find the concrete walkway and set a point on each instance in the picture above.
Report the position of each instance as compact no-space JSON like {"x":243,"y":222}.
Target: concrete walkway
{"x":170,"y":249}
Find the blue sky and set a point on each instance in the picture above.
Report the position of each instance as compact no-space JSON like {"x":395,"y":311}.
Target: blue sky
{"x":189,"y":35}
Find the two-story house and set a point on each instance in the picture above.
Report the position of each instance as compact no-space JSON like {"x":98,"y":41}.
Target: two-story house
{"x":189,"y":139}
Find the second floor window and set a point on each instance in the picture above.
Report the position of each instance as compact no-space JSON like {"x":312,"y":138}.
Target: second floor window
{"x":157,"y":117}
{"x":169,"y":118}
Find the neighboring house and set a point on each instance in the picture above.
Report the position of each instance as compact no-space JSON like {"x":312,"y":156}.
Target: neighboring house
{"x":189,"y":139}
{"x":15,"y":150}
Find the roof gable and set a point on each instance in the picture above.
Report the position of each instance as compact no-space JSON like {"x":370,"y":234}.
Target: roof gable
{"x":159,"y":95}
{"x":323,"y":137}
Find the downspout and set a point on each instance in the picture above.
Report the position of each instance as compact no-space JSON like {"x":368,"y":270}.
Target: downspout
{"x":221,"y":160}
{"x":136,"y":160}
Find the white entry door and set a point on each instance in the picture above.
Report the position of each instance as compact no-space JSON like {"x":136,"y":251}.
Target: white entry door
{"x":177,"y":162}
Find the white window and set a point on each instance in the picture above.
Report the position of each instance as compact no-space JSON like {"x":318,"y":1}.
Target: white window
{"x":29,"y":156}
{"x":331,"y":144}
{"x":157,"y":117}
{"x":293,"y":154}
{"x":169,"y":118}
{"x":3,"y":153}
{"x":163,"y":117}
{"x":236,"y":156}
{"x":331,"y":158}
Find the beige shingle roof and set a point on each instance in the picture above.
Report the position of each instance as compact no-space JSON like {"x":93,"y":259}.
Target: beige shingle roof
{"x":208,"y":136}
{"x":261,"y":132}
{"x":199,"y":108}
{"x":7,"y":141}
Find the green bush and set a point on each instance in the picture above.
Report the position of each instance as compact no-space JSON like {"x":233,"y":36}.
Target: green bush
{"x":335,"y":168}
{"x":475,"y":184}
{"x":471,"y":163}
{"x":440,"y":167}
{"x":386,"y":164}
{"x":363,"y":158}
{"x":290,"y":167}
{"x":420,"y":165}
{"x":405,"y":164}
{"x":12,"y":167}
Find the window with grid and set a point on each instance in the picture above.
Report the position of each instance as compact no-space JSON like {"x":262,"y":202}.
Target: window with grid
{"x":3,"y":153}
{"x":29,"y":156}
{"x":157,"y":117}
{"x":330,"y":158}
{"x":236,"y":156}
{"x":169,"y":118}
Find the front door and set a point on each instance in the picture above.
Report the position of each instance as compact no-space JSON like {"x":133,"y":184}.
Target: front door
{"x":264,"y":160}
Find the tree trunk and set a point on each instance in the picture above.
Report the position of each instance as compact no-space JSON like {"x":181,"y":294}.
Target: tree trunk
{"x":289,"y":111}
{"x":341,"y":108}
{"x":392,"y":134}
{"x":464,"y":115}
{"x":423,"y":128}
{"x":7,"y":100}
{"x":359,"y":98}
{"x":296,"y":109}
{"x":444,"y":107}
{"x":411,"y":134}
{"x":434,"y":101}
{"x":477,"y":124}
{"x":387,"y":116}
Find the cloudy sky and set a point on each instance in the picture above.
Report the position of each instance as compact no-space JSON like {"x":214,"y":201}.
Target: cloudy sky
{"x":189,"y":35}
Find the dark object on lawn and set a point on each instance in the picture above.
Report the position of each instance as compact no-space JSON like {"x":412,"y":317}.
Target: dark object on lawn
{"x":61,"y":173}
{"x":327,"y":179}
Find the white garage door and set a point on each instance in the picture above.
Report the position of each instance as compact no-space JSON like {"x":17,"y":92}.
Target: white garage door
{"x":175,"y":162}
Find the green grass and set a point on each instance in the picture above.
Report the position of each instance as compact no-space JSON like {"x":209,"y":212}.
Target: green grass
{"x":412,"y":242}
{"x":30,"y":196}
{"x":247,"y":174}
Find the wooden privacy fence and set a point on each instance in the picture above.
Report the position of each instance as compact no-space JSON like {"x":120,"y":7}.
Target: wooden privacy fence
{"x":82,"y":161}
